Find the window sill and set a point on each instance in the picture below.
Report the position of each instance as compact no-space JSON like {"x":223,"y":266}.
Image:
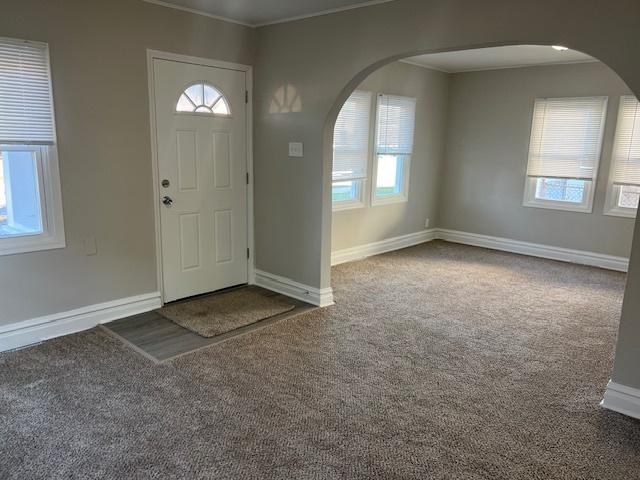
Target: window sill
{"x":26,"y":244}
{"x":621,"y":212}
{"x":391,"y":199}
{"x":340,"y":206}
{"x":579,"y":208}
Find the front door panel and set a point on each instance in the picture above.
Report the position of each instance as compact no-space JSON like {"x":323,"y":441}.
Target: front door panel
{"x":202,"y":154}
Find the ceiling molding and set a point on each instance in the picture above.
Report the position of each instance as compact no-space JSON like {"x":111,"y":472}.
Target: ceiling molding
{"x":422,"y":65}
{"x":487,"y":69}
{"x":370,"y":3}
{"x":197,"y":12}
{"x":265,"y":24}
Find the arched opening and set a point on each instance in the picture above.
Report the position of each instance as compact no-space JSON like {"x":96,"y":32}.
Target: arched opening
{"x":498,"y":183}
{"x":604,"y":193}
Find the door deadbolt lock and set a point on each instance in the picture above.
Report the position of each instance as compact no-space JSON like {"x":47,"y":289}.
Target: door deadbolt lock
{"x":168,"y":201}
{"x":165,"y":183}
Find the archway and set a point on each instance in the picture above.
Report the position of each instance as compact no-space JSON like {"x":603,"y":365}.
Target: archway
{"x":333,"y":114}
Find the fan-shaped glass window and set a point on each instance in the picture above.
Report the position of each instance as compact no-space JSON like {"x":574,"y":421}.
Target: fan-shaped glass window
{"x":203,"y":98}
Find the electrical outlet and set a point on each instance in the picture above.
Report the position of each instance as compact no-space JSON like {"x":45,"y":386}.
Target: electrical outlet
{"x":426,"y":223}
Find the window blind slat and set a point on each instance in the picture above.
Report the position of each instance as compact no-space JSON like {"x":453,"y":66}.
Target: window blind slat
{"x":566,"y":137}
{"x":395,"y":125}
{"x":26,"y":113}
{"x":626,"y":150}
{"x":351,"y":138}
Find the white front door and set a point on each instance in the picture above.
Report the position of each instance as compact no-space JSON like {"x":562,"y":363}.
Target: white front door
{"x":201,"y":135}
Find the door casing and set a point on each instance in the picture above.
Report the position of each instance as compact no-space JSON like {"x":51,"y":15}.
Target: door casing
{"x":156,"y":54}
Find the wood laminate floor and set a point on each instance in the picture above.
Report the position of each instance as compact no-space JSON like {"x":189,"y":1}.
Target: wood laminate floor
{"x":160,"y":339}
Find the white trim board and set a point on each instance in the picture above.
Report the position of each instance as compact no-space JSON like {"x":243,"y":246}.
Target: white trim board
{"x":196,"y":11}
{"x":622,"y":399}
{"x":28,"y":332}
{"x":383,"y":246}
{"x":315,"y":296}
{"x":581,"y":257}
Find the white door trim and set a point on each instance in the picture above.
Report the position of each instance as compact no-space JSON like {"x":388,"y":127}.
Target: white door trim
{"x":176,"y":57}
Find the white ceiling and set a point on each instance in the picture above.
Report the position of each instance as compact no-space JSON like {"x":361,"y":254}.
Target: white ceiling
{"x":262,"y":12}
{"x":495,"y":58}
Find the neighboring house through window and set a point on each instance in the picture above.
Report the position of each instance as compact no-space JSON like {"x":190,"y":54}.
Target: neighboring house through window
{"x":30,"y":199}
{"x":564,"y":152}
{"x":623,"y":190}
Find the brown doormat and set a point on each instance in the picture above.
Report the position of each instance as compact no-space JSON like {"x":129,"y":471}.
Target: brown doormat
{"x":220,"y":313}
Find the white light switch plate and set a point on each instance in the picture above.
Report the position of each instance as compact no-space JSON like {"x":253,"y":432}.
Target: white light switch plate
{"x":296,"y":149}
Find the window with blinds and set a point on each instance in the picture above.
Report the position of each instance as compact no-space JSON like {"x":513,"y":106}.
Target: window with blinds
{"x":30,"y":197}
{"x":623,"y":191}
{"x":351,"y":149}
{"x":26,"y":111}
{"x":564,"y":152}
{"x":395,"y":125}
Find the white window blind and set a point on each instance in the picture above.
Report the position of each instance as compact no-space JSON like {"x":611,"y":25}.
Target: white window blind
{"x":395,"y":125}
{"x":626,"y":150}
{"x":26,"y":112}
{"x":351,"y":138}
{"x":566,"y":137}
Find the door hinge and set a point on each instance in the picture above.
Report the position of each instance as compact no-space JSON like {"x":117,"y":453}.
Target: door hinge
{"x":248,"y":253}
{"x":247,"y":178}
{"x":246,"y":96}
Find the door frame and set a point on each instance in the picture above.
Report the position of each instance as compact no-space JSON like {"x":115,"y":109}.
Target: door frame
{"x":207,"y":62}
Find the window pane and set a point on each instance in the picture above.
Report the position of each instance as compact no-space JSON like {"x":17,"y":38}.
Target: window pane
{"x":19,"y":194}
{"x":390,"y":175}
{"x":345,"y":191}
{"x":629,"y":196}
{"x":560,"y":190}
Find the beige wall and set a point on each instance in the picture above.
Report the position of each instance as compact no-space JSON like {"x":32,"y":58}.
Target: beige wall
{"x":326,"y":57}
{"x":98,"y":59}
{"x":373,"y":223}
{"x":486,"y":161}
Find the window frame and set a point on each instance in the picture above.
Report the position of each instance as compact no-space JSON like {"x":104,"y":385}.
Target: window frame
{"x":350,"y":204}
{"x":530,"y":200}
{"x":362,"y":199}
{"x":49,"y":185}
{"x":48,"y":176}
{"x":403,"y":196}
{"x":611,"y":206}
{"x":586,"y":206}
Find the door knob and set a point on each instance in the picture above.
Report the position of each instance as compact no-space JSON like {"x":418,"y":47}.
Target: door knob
{"x":167,"y":201}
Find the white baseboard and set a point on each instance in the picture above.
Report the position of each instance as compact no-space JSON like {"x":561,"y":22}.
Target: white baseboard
{"x":581,"y":257}
{"x":383,"y":246}
{"x":39,"y":329}
{"x":622,"y":399}
{"x":286,"y":286}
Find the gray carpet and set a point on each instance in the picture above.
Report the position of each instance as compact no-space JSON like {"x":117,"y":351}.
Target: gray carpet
{"x":438,"y":362}
{"x":213,"y":315}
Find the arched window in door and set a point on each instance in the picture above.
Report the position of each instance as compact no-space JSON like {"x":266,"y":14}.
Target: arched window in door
{"x":203,"y":98}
